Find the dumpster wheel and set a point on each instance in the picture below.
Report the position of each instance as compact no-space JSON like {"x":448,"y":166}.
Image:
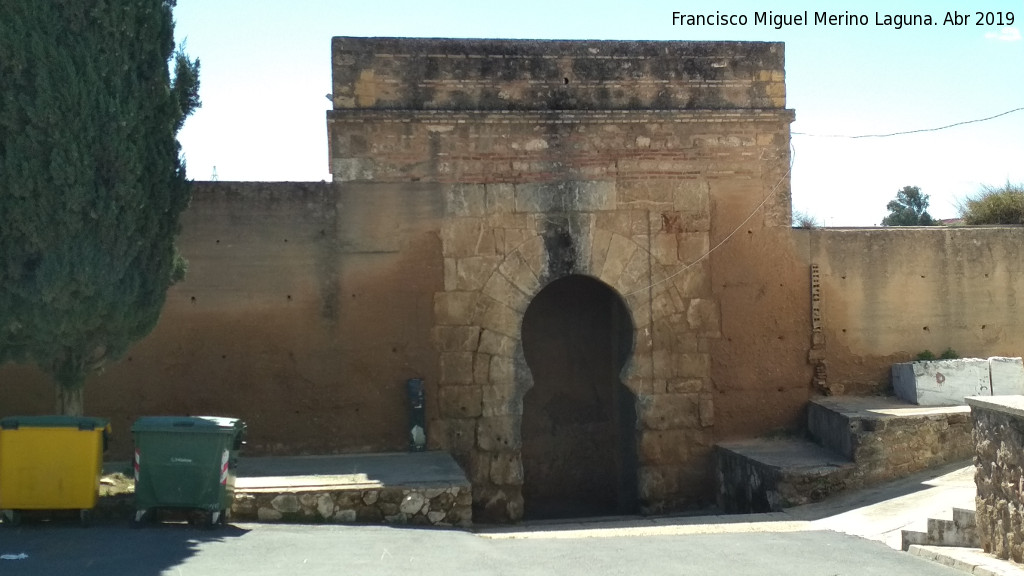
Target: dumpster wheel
{"x":85,"y":517}
{"x":208,"y":519}
{"x":142,"y":517}
{"x":11,"y":517}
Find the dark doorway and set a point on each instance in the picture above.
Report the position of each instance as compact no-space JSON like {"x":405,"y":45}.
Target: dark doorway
{"x":579,"y":419}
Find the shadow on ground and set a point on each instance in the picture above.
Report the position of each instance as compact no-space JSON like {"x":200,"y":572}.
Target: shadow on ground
{"x":107,"y":547}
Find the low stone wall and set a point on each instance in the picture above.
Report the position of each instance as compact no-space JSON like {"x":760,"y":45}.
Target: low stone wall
{"x":450,"y":506}
{"x":999,"y":474}
{"x":889,"y":448}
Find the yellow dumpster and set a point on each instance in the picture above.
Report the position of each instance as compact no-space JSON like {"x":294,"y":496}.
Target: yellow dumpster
{"x":50,"y":463}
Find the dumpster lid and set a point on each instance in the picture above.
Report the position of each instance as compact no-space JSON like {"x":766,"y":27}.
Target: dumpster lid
{"x":54,"y":421}
{"x":200,"y":424}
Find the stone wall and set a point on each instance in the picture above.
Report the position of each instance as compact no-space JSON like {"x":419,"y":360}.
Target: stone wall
{"x":416,"y":506}
{"x":999,"y":469}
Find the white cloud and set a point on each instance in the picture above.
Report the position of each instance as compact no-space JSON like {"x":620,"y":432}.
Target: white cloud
{"x":1008,"y":34}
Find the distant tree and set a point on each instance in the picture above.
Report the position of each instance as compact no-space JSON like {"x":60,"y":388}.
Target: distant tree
{"x":804,"y":220}
{"x":909,"y":208}
{"x":994,"y":205}
{"x":92,"y":184}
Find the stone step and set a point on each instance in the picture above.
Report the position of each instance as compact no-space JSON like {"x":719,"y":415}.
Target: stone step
{"x":965,"y":518}
{"x":888,"y":438}
{"x":959,"y":530}
{"x":767,"y":475}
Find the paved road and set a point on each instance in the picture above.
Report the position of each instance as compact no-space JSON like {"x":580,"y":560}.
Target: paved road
{"x":254,"y":550}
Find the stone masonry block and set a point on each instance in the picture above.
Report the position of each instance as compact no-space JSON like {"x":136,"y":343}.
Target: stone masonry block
{"x":456,"y":338}
{"x":669,"y":411}
{"x":464,"y":200}
{"x":454,"y":308}
{"x":518,"y":271}
{"x":639,"y":308}
{"x":503,"y":290}
{"x":472,"y":273}
{"x":618,"y":222}
{"x":459,"y":401}
{"x":665,"y":446}
{"x":497,"y":344}
{"x":481,"y":368}
{"x":502,"y":370}
{"x":509,"y":240}
{"x":600,"y":240}
{"x":455,"y":435}
{"x":463,"y":237}
{"x":693,"y":196}
{"x":450,"y":274}
{"x":506,"y":468}
{"x":498,"y":433}
{"x":657,"y":482}
{"x":497,"y":317}
{"x":352,"y":169}
{"x":941,"y":382}
{"x":662,"y":363}
{"x":620,"y":251}
{"x":687,"y":386}
{"x":692,"y":246}
{"x":693,"y":281}
{"x":534,"y":255}
{"x":707,"y":410}
{"x":664,"y":248}
{"x":1007,"y":375}
{"x":499,"y":198}
{"x":636,"y":275}
{"x":457,"y":367}
{"x":664,"y":308}
{"x":501,"y":400}
{"x":704,"y":317}
{"x":565,"y":196}
{"x":692,"y":365}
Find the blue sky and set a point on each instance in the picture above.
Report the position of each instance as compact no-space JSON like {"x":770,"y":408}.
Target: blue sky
{"x":266,"y":71}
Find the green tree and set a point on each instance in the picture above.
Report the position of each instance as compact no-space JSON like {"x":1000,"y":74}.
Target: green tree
{"x":909,"y":208}
{"x":994,"y":205}
{"x":92,"y":184}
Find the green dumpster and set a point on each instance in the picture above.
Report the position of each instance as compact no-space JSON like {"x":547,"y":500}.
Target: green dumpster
{"x":186,"y":462}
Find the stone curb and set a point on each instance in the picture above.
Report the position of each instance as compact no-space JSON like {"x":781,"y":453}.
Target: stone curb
{"x":969,"y":560}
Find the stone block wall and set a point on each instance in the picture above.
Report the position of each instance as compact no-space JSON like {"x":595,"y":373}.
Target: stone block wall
{"x":450,"y":74}
{"x":999,"y":474}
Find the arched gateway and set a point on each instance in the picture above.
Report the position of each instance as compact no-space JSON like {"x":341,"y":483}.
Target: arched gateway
{"x":572,"y":183}
{"x":579,"y":419}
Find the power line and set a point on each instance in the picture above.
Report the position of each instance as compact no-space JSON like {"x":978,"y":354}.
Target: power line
{"x":908,"y":131}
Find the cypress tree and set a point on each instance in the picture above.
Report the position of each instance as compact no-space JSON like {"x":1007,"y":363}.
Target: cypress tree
{"x":92,"y":184}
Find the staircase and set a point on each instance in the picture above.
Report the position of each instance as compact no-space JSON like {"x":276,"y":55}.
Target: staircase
{"x":961,"y":530}
{"x":851,"y":442}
